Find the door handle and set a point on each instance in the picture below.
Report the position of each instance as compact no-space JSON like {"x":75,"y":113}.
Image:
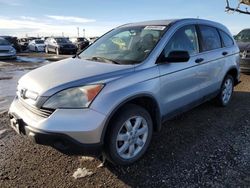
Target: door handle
{"x":224,"y":53}
{"x":199,"y":60}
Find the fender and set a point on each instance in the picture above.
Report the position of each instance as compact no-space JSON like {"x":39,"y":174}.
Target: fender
{"x":156,"y":120}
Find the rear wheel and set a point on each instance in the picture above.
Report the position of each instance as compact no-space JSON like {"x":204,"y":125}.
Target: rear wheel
{"x":130,"y":135}
{"x":226,"y":91}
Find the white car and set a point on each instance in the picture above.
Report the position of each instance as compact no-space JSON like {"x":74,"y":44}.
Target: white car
{"x":7,"y":51}
{"x":36,"y":45}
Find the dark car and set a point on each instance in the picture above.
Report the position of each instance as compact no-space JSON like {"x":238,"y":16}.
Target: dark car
{"x":80,"y":42}
{"x":60,"y":45}
{"x":23,"y":43}
{"x":243,"y":40}
{"x":13,"y":41}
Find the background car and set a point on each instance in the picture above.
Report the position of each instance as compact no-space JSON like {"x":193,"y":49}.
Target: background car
{"x":60,"y":45}
{"x":13,"y":41}
{"x":93,"y":39}
{"x":80,"y":42}
{"x":23,"y":43}
{"x":36,"y":45}
{"x":7,"y":51}
{"x":243,"y":40}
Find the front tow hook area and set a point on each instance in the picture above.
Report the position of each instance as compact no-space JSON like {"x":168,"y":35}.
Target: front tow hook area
{"x":17,"y":124}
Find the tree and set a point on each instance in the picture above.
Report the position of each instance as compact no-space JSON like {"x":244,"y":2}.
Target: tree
{"x":239,"y":8}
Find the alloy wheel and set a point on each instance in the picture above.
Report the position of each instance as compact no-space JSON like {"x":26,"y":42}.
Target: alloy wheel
{"x":132,"y":137}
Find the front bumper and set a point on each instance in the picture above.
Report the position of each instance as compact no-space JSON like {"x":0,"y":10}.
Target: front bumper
{"x":245,"y":65}
{"x":71,"y":131}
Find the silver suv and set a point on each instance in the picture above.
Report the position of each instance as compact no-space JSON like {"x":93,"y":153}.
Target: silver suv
{"x":111,"y":97}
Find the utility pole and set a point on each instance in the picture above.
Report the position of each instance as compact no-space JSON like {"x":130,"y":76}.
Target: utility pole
{"x":83,"y":32}
{"x":78,"y":31}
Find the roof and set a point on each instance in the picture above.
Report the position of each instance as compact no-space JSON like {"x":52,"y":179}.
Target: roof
{"x":172,"y":21}
{"x":152,"y":22}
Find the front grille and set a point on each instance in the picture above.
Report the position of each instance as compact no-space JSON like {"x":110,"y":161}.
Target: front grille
{"x":38,"y":111}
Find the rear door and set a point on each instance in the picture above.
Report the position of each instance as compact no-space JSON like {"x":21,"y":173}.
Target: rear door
{"x":210,"y":67}
{"x":179,"y":84}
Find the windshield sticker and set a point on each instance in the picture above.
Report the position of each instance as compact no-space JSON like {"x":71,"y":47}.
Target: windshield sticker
{"x":161,"y":28}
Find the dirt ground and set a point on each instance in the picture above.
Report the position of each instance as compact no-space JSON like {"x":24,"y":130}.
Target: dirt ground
{"x":207,"y":146}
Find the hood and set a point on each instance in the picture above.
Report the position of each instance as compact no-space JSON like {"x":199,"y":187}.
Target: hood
{"x":71,"y":72}
{"x":244,"y":46}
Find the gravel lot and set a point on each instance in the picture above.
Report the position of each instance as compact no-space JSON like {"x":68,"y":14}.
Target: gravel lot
{"x":207,"y":146}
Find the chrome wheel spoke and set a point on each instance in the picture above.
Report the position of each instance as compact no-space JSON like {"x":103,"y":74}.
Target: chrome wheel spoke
{"x":122,"y":137}
{"x":131,"y":149}
{"x":128,"y":126}
{"x":139,"y":142}
{"x":138,"y":122}
{"x":141,"y":131}
{"x":124,"y":148}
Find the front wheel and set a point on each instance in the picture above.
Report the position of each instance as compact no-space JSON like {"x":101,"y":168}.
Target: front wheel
{"x":129,"y":136}
{"x":226,"y":91}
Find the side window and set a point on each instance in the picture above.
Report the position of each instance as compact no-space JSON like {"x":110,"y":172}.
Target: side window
{"x":210,"y":38}
{"x":185,"y":39}
{"x":226,"y":39}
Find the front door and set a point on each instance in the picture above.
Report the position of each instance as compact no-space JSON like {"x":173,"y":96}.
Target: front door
{"x":179,"y":84}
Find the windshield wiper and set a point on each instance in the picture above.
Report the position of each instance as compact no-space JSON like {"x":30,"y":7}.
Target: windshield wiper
{"x":103,"y":59}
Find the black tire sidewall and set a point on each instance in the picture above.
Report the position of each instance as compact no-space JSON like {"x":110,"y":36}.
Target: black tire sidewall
{"x":125,"y":113}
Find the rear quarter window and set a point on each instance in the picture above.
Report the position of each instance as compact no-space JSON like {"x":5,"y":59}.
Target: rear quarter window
{"x":210,"y":38}
{"x":227,"y":41}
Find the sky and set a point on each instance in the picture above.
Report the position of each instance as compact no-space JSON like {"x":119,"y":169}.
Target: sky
{"x":95,"y":17}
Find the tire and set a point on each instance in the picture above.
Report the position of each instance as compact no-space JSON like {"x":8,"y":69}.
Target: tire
{"x":225,"y":95}
{"x":131,"y":144}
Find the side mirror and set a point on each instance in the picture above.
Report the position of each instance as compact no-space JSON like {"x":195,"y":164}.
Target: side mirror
{"x":175,"y":57}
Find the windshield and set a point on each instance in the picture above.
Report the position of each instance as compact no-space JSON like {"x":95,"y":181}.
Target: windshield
{"x":243,"y":36}
{"x":62,"y":40}
{"x":4,"y":42}
{"x":127,"y":45}
{"x":39,"y":41}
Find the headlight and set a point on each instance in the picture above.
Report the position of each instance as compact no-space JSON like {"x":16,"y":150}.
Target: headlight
{"x":78,"y":97}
